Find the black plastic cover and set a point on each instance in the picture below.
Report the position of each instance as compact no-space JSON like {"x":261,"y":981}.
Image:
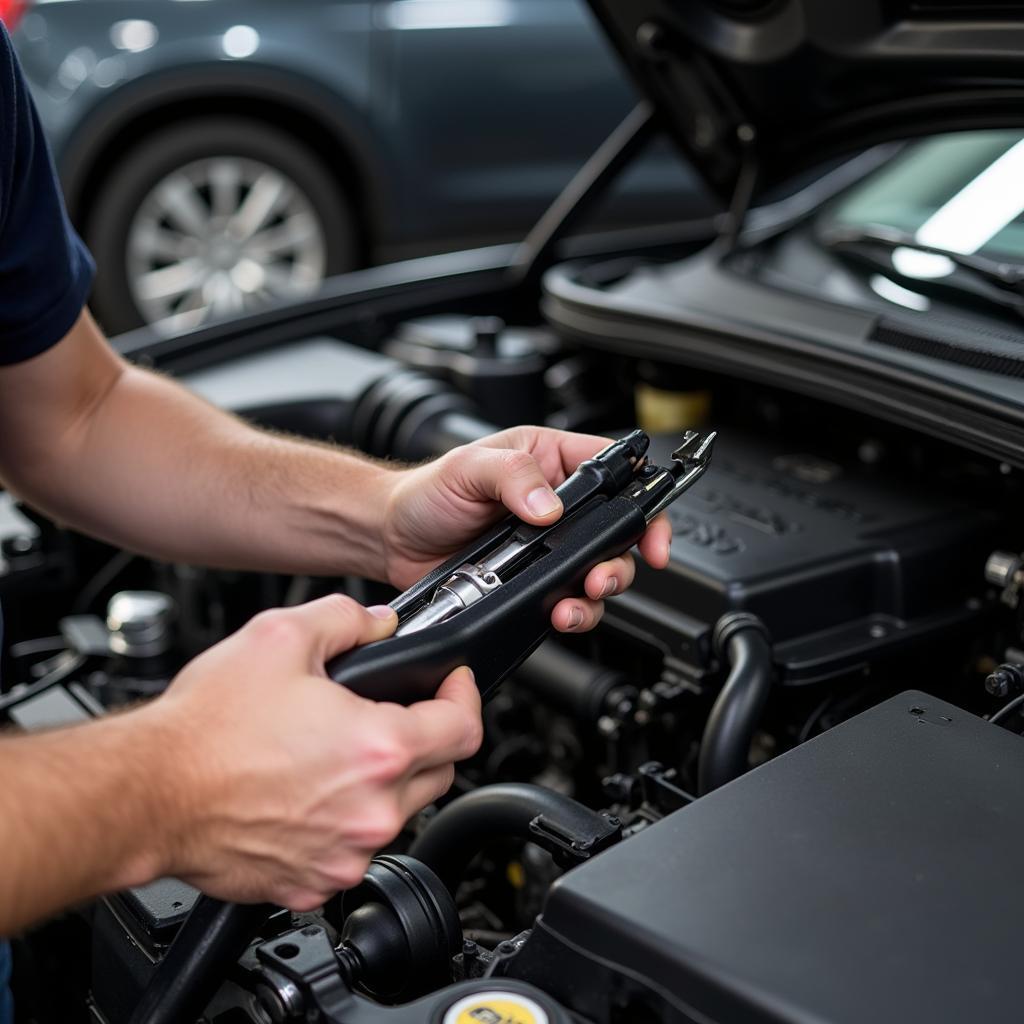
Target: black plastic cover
{"x":842,"y":563}
{"x":786,"y":84}
{"x":868,"y":875}
{"x":131,"y":932}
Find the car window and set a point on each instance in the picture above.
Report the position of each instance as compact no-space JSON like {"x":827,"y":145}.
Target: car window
{"x":957,"y":192}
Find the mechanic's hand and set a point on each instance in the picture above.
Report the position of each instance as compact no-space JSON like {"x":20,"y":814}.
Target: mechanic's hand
{"x":286,"y":784}
{"x":438,"y":508}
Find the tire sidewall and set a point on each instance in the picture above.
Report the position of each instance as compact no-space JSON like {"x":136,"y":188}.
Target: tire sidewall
{"x":138,"y":171}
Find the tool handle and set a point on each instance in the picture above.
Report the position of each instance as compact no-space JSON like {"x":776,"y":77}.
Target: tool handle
{"x":607,"y":473}
{"x":500,"y":631}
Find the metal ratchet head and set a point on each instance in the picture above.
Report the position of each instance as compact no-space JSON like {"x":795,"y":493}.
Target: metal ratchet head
{"x":656,"y":487}
{"x":689,"y":461}
{"x":695,"y":449}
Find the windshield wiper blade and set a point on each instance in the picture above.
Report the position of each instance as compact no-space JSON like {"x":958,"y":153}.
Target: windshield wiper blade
{"x":995,"y":280}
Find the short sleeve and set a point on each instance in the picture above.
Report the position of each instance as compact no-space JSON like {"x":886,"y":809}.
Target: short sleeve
{"x":46,"y":272}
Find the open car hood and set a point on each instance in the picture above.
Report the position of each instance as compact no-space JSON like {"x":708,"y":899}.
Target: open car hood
{"x":757,"y":90}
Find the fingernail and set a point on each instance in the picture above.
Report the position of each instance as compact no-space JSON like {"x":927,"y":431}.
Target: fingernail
{"x":575,"y":618}
{"x":542,"y":501}
{"x":381,"y":611}
{"x":611,"y":585}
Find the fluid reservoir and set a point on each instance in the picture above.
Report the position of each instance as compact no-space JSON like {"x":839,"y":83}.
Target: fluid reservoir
{"x":669,"y":399}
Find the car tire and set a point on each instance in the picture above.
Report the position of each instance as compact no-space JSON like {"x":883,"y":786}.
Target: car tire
{"x":128,"y":189}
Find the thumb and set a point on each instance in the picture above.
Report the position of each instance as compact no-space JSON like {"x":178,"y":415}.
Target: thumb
{"x":336,"y":623}
{"x":460,"y":688}
{"x":514,"y":478}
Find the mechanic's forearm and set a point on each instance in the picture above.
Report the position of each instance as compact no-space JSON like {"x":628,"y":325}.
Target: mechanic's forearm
{"x":81,"y":813}
{"x":164,"y":472}
{"x":155,"y":469}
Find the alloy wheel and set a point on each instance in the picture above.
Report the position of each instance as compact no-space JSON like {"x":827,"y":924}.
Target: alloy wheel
{"x":220,"y":236}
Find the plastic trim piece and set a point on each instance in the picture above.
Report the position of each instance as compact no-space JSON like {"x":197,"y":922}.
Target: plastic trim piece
{"x":972,"y":356}
{"x":895,"y":393}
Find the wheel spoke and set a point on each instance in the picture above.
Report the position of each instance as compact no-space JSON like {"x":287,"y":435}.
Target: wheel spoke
{"x":170,"y":282}
{"x":194,"y":301}
{"x":152,"y":242}
{"x":225,"y":187}
{"x":295,"y":232}
{"x":184,"y":206}
{"x":222,"y":295}
{"x":268,"y":193}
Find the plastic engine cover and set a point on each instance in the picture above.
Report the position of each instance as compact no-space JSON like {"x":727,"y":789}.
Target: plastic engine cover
{"x":870,"y":874}
{"x":843,"y":565}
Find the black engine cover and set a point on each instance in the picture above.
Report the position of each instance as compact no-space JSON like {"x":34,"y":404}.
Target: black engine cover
{"x":868,"y":875}
{"x":840,"y":563}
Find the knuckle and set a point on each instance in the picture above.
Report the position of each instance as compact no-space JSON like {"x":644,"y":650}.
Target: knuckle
{"x":340,"y":603}
{"x":379,"y":826}
{"x":343,"y":607}
{"x":274,"y":627}
{"x":348,"y":877}
{"x":525,"y":433}
{"x":347,"y":871}
{"x":444,"y":783}
{"x":300,"y":901}
{"x":386,"y":758}
{"x":517,"y":463}
{"x":264,"y":620}
{"x":458,"y":459}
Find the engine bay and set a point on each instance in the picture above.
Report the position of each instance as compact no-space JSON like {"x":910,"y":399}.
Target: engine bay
{"x":732,"y":801}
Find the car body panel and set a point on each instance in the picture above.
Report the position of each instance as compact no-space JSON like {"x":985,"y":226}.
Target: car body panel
{"x":435,"y":143}
{"x":95,"y":97}
{"x":702,"y":314}
{"x":563,"y":107}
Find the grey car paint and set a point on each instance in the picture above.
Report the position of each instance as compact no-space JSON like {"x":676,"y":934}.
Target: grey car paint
{"x":447,"y":121}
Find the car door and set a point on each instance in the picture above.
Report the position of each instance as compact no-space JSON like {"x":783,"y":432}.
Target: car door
{"x":489,"y":106}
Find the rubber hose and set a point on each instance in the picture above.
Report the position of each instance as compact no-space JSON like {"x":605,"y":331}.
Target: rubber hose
{"x":742,"y":641}
{"x":503,"y":811}
{"x":569,"y":683}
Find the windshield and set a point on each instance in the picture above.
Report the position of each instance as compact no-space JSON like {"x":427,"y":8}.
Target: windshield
{"x":963,"y":193}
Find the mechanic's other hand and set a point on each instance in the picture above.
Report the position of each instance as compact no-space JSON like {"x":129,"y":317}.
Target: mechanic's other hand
{"x":434,"y":510}
{"x":285,"y":784}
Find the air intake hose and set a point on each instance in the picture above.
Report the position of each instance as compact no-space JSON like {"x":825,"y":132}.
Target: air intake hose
{"x":513,"y":810}
{"x":741,"y":640}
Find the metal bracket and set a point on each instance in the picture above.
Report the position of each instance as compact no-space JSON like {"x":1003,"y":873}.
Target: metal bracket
{"x":303,"y":978}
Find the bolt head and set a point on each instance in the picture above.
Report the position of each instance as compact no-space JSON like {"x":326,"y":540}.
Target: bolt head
{"x":270,"y":1005}
{"x":997,"y":684}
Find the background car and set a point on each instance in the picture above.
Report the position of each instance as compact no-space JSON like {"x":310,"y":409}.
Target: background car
{"x":216,"y":155}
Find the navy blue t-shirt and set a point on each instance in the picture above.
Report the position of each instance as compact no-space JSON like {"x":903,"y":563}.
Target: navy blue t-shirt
{"x":45,"y":270}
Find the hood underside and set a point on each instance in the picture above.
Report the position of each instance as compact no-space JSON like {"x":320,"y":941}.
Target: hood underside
{"x":757,"y":90}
